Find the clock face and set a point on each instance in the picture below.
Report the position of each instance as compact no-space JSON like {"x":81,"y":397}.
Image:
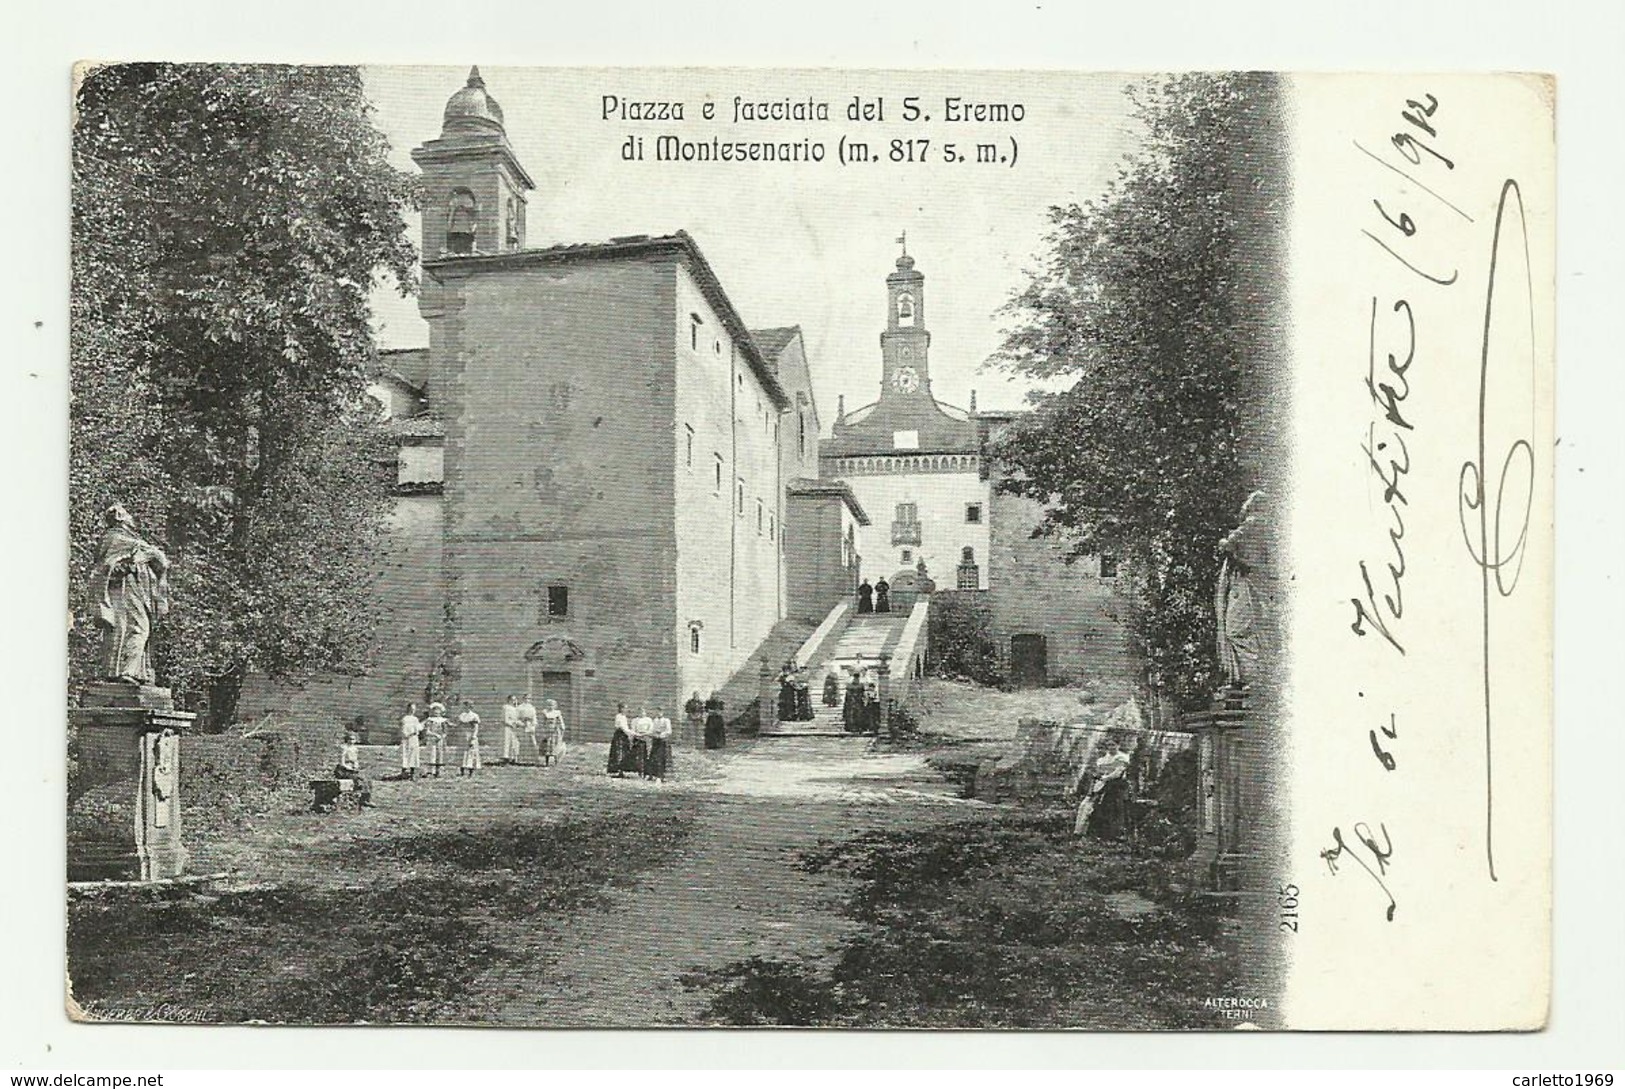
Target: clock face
{"x":907,"y":379}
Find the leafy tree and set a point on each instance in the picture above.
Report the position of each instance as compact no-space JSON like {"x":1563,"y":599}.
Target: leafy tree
{"x":229,"y":222}
{"x":1146,"y":302}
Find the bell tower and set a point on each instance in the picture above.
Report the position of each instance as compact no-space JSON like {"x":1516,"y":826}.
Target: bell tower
{"x":474,"y":188}
{"x":904,"y":346}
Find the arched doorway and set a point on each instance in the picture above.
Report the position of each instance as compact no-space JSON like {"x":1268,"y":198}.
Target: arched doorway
{"x":556,"y":669}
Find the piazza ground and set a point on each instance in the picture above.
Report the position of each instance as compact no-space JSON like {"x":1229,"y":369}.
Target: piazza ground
{"x":781,"y":881}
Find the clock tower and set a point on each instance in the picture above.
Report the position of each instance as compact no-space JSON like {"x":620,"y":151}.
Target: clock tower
{"x":905,"y":343}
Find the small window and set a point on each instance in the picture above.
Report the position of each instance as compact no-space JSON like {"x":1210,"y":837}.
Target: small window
{"x":908,"y":512}
{"x":760,"y":513}
{"x":908,"y":555}
{"x":1108,"y":565}
{"x":717,"y":468}
{"x":973,"y":513}
{"x":739,"y":497}
{"x":969,"y":577}
{"x":693,"y":640}
{"x":558,"y":601}
{"x":694,"y":323}
{"x":772,"y":527}
{"x":801,"y":434}
{"x":688,"y":447}
{"x":716,"y":346}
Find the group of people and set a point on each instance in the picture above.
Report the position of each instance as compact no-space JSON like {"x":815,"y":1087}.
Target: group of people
{"x":705,"y":718}
{"x":876,"y":598}
{"x":528,"y":737}
{"x":860,"y":702}
{"x":795,"y":693}
{"x":640,"y":746}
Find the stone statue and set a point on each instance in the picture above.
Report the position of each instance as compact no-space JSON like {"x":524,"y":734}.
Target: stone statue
{"x":131,"y":589}
{"x":1238,"y":603}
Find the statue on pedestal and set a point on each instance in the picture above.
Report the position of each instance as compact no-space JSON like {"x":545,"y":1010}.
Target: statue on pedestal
{"x":132,"y":593}
{"x":1238,"y":603}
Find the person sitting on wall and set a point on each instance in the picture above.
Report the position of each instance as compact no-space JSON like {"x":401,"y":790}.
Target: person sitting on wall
{"x":349,"y":767}
{"x":716,"y":728}
{"x":1103,"y":790}
{"x":866,"y":597}
{"x":883,"y":596}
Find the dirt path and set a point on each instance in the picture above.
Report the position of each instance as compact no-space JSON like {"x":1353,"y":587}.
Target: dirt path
{"x":732,"y":891}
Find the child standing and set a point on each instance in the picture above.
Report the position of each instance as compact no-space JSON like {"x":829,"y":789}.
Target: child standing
{"x":470,"y":722}
{"x":553,"y":728}
{"x":411,"y":746}
{"x":436,"y":728}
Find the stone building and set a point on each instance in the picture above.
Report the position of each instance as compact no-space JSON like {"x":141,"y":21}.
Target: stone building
{"x":914,"y":463}
{"x":922,"y":471}
{"x":593,"y":462}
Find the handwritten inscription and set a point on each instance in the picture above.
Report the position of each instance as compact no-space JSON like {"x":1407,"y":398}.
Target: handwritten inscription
{"x":1496,"y":530}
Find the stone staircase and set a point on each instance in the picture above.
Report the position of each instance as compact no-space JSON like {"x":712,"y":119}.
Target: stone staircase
{"x":865,"y":638}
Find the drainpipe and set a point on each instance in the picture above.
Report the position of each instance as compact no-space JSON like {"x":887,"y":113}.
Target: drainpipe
{"x":733,"y":489}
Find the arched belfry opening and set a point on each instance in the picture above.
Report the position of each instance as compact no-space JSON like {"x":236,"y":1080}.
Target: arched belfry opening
{"x":462,"y":219}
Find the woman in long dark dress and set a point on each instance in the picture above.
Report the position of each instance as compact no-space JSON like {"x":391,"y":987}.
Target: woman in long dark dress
{"x":716,"y":730}
{"x":787,"y":693}
{"x":620,"y":744}
{"x":882,"y":596}
{"x":852,"y":708}
{"x":832,"y":690}
{"x":803,"y":694}
{"x":659,"y":761}
{"x":866,"y":597}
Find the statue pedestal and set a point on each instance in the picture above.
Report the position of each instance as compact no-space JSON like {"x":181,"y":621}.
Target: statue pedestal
{"x":1221,"y":803}
{"x":124,"y":807}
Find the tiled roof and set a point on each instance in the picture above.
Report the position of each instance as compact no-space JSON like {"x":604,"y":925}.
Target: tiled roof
{"x":424,"y":426}
{"x":774,"y":341}
{"x":810,"y":486}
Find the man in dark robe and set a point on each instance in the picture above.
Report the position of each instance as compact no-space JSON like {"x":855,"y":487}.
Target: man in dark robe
{"x":832,"y":690}
{"x":787,"y":693}
{"x":866,"y":597}
{"x":852,"y":707}
{"x":716,"y":730}
{"x":803,"y":691}
{"x":882,"y":596}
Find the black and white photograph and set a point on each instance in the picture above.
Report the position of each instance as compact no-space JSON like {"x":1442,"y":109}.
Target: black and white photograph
{"x":859,"y":549}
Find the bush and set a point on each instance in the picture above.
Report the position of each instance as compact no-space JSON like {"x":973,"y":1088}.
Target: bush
{"x":962,"y":644}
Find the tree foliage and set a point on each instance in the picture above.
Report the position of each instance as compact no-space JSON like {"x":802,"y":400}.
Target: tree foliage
{"x":229,"y":223}
{"x":1140,"y":303}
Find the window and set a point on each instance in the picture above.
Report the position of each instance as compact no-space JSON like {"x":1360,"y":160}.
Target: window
{"x":688,"y":447}
{"x":717,"y":469}
{"x":905,"y":309}
{"x":908,"y":512}
{"x":908,"y":555}
{"x":772,"y":527}
{"x":973,"y":513}
{"x":694,"y":323}
{"x":970,"y":577}
{"x":558,"y":601}
{"x":693,"y":640}
{"x":1108,"y":565}
{"x":760,"y":513}
{"x":739,"y":497}
{"x":801,"y":433}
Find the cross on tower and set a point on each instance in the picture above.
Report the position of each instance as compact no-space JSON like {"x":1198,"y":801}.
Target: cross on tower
{"x":902,"y":240}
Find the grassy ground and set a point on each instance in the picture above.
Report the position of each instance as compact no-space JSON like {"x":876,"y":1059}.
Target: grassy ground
{"x":824,"y":881}
{"x":994,"y":923}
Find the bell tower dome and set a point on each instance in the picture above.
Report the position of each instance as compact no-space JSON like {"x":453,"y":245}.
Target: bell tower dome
{"x":474,"y":188}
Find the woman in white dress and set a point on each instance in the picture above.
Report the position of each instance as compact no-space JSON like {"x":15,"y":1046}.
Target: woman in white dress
{"x":470,"y":722}
{"x":411,"y":744}
{"x":642,"y":731}
{"x":659,"y":761}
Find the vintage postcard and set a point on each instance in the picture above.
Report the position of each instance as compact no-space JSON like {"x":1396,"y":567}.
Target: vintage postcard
{"x":632,"y":548}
